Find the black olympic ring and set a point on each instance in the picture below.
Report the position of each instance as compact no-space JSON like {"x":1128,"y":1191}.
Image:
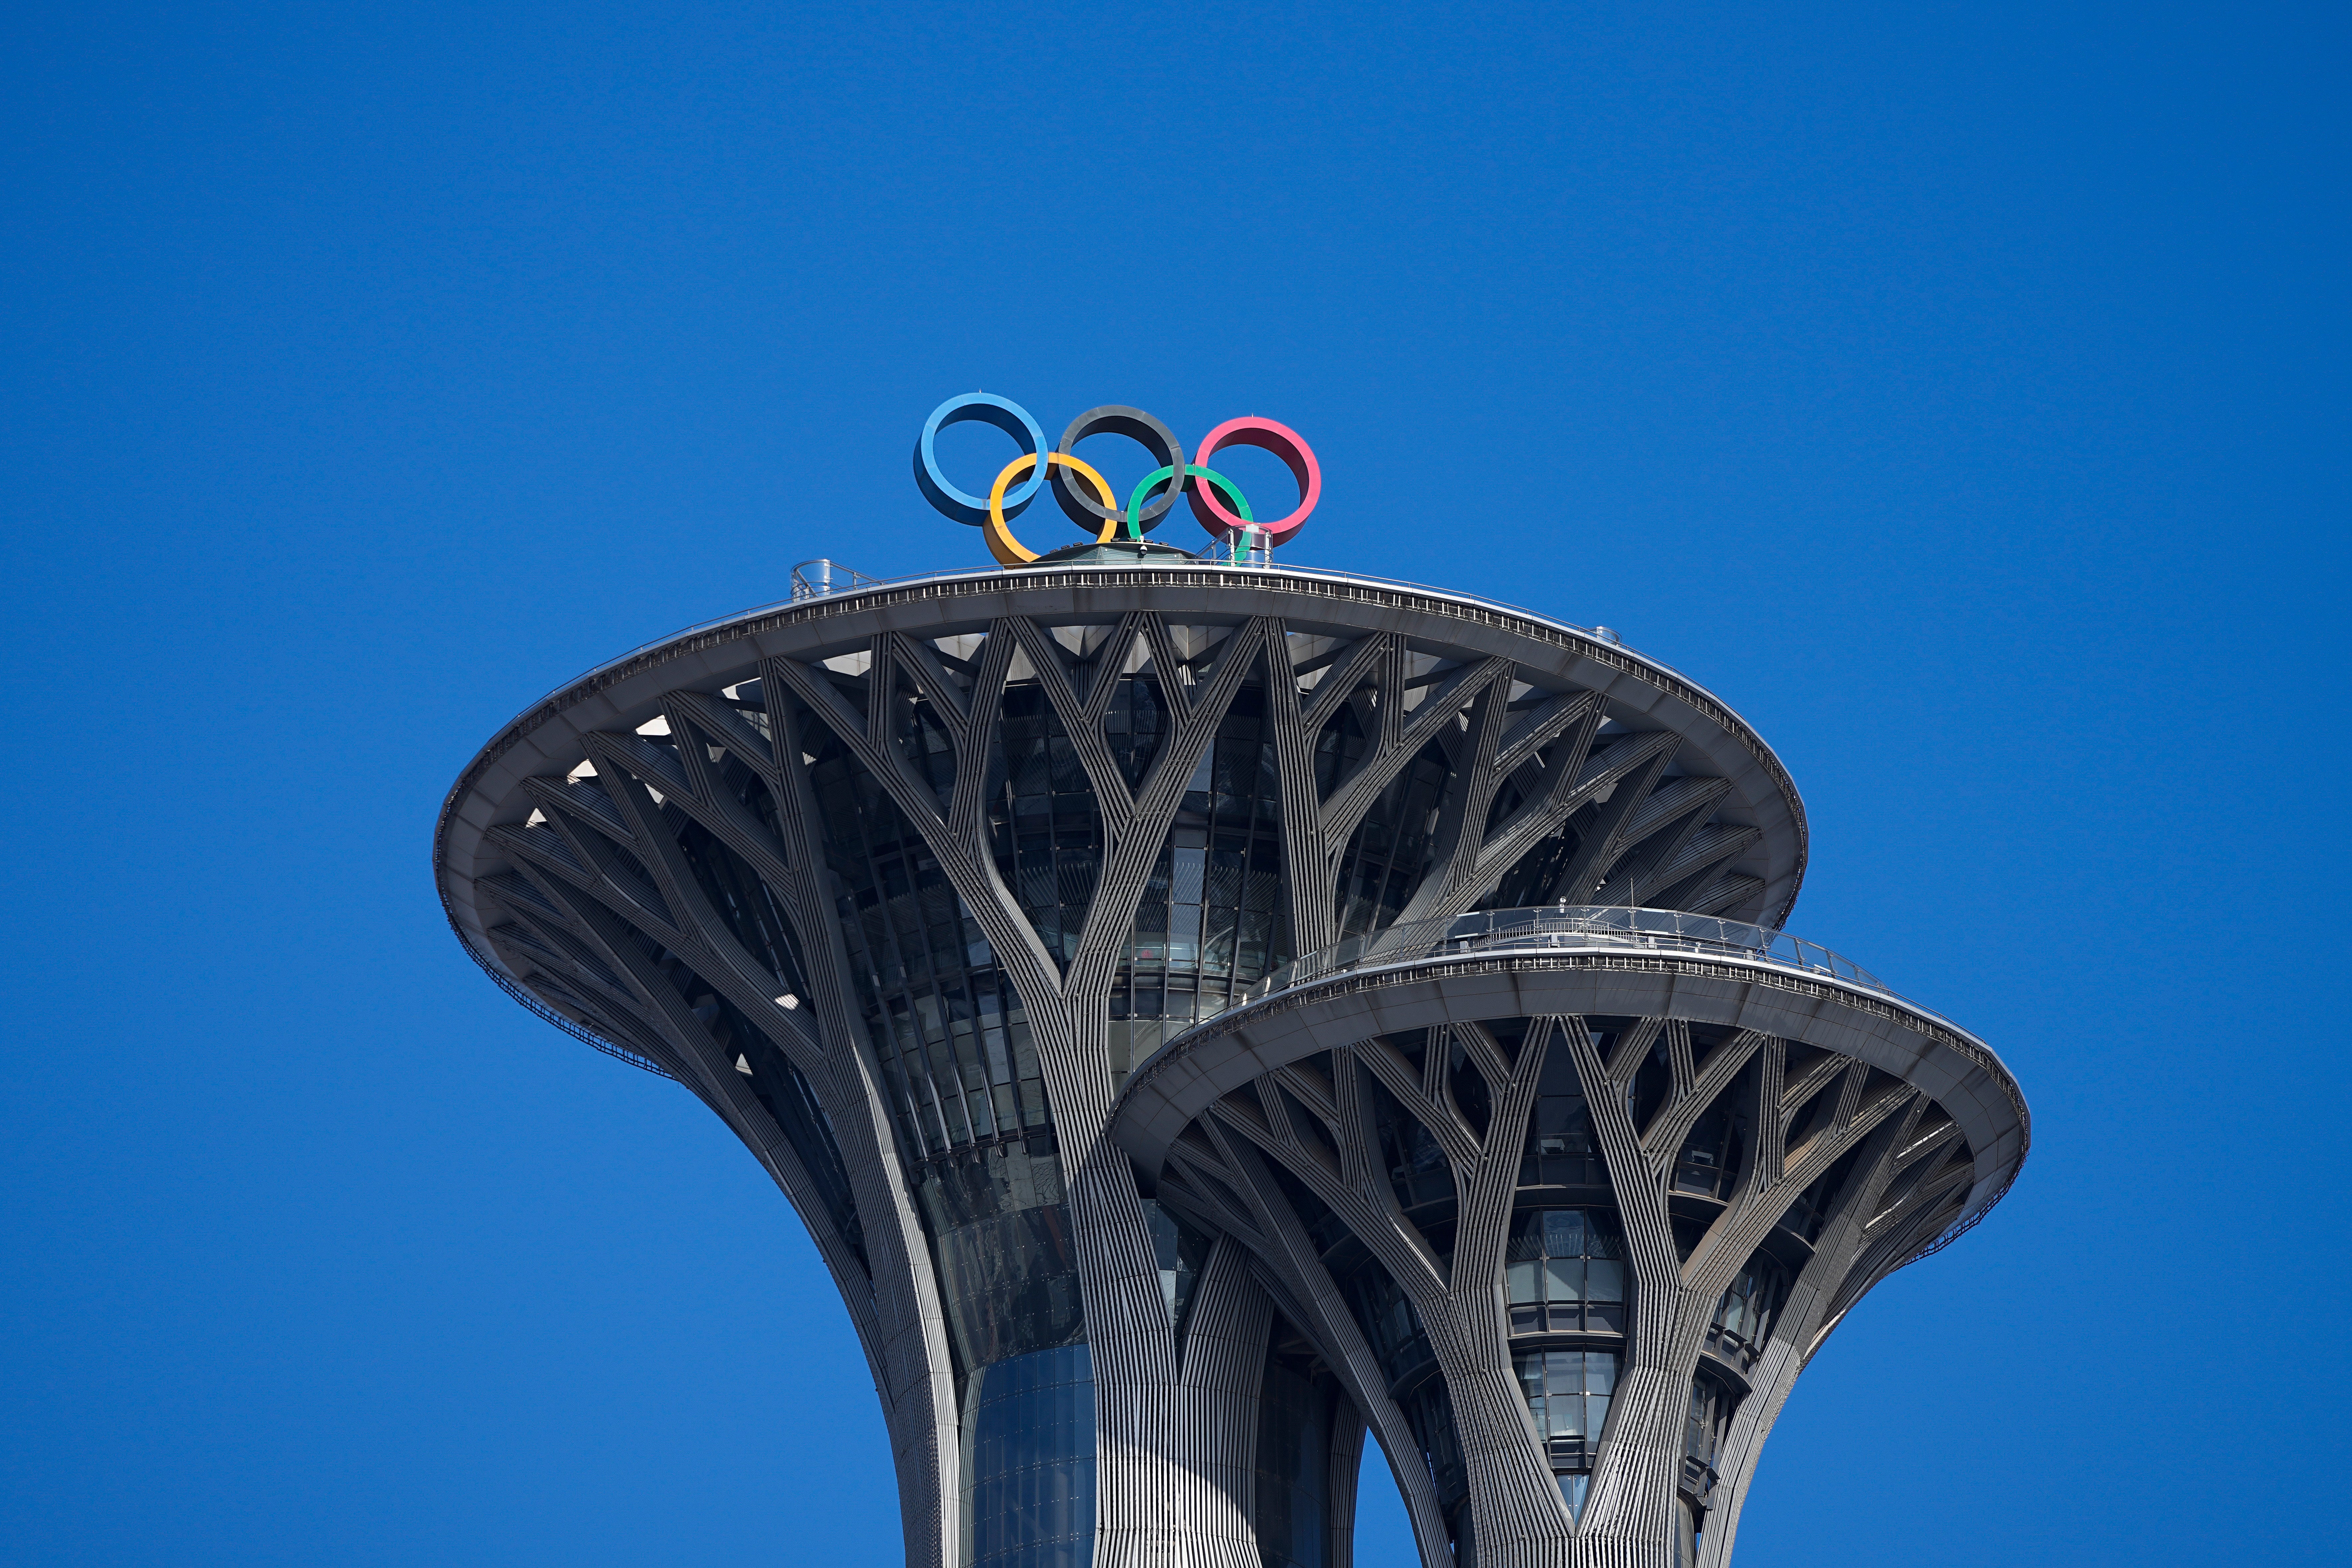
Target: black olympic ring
{"x":1115,"y":419}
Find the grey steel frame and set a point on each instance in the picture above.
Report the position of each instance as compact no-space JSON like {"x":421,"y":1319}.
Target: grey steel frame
{"x":553,"y":888}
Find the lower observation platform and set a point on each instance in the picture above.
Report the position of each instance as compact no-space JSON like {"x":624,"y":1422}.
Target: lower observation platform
{"x":1657,"y":1155}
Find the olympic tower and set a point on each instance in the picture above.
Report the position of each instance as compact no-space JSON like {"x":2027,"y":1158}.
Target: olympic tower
{"x":1205,"y":1010}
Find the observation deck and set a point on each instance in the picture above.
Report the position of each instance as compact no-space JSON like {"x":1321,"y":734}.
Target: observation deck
{"x":1801,"y":990}
{"x":1657,"y":1155}
{"x":844,"y":608}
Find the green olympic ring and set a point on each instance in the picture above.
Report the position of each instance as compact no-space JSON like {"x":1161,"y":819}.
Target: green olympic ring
{"x":1192,"y":470}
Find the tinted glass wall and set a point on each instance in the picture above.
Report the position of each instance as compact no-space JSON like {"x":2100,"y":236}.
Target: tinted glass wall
{"x":1294,"y":1461}
{"x":1210,"y":922}
{"x":1008,"y":1268}
{"x":1029,"y":1463}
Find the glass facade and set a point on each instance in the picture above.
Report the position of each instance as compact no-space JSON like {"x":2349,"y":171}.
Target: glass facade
{"x":1395,"y":845}
{"x":1044,"y":824}
{"x":1564,"y":1268}
{"x":1467,"y":1087}
{"x":1136,"y":725}
{"x":922,"y":737}
{"x":968,"y":1098}
{"x":1390,"y":1326}
{"x":955,"y":1048}
{"x":1295,"y":1406}
{"x":1812,"y":1210}
{"x":1561,"y":1151}
{"x":1429,"y":1410}
{"x":740,"y":898}
{"x":1568,"y":1393}
{"x":1743,"y":1319}
{"x":1211,"y":921}
{"x":1178,"y":1250}
{"x":1414,"y":1155}
{"x":1417,"y":1168}
{"x":950,"y":1029}
{"x":1708,"y":1164}
{"x":1652,"y":1083}
{"x":1008,"y":1268}
{"x":1713,"y":1402}
{"x":1564,"y":1272}
{"x":1028,"y":1499}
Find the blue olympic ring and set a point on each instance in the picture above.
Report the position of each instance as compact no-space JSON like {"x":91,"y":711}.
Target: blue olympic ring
{"x":1007,"y":417}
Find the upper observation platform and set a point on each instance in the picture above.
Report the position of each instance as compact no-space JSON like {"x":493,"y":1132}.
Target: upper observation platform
{"x":1439,"y":752}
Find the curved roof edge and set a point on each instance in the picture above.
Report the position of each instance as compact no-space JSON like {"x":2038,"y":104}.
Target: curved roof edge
{"x":1644,"y":684}
{"x":1955,"y":1069}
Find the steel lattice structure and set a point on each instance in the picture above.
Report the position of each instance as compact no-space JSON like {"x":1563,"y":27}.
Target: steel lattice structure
{"x":1203,"y":1015}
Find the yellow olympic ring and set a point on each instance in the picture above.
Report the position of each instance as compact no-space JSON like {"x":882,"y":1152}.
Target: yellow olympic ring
{"x":1008,"y":549}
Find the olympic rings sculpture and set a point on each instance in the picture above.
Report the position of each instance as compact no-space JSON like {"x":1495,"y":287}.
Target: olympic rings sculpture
{"x":1085,"y":497}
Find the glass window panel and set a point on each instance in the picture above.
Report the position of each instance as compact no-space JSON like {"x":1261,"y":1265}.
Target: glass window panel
{"x":1293,"y":1456}
{"x":1028,"y":1489}
{"x":1604,"y":1281}
{"x":1520,"y":1283}
{"x":1189,"y":866}
{"x":1564,"y":1279}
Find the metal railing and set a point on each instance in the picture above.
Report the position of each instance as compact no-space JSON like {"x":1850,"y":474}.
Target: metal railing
{"x":816,"y":585}
{"x":815,"y":579}
{"x":1244,"y":548}
{"x":1570,"y":926}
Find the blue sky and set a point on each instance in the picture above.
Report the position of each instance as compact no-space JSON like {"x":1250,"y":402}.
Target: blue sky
{"x":1959,"y":392}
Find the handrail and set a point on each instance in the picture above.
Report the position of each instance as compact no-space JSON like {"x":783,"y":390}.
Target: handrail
{"x":827,"y":577}
{"x":845,"y":581}
{"x":1564,"y":926}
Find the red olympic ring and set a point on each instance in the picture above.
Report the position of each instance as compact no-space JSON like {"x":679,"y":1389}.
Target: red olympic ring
{"x":1284,"y":443}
